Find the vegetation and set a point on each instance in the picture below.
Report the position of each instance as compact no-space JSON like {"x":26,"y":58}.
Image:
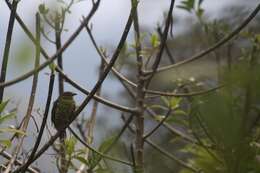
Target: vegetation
{"x":192,"y":98}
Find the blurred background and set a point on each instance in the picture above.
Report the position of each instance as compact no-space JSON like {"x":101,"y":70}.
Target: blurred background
{"x":81,"y":61}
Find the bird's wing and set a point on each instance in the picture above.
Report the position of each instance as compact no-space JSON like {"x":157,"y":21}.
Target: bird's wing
{"x":73,"y":111}
{"x":53,"y":111}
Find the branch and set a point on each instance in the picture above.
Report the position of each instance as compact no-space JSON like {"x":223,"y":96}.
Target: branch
{"x":99,"y":153}
{"x":158,"y":125}
{"x":189,"y":94}
{"x":172,"y":157}
{"x":163,"y":42}
{"x":69,"y":80}
{"x":7,"y":46}
{"x":62,"y":49}
{"x":17,"y":162}
{"x":215,"y":46}
{"x":27,"y":117}
{"x":44,"y":121}
{"x":91,"y":94}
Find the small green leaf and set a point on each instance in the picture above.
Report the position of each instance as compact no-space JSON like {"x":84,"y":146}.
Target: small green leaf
{"x":155,"y":40}
{"x":159,"y":117}
{"x":187,"y":5}
{"x":159,"y":107}
{"x":42,"y":9}
{"x":7,"y":117}
{"x":12,"y":131}
{"x":106,"y":144}
{"x":165,"y":101}
{"x":175,"y":102}
{"x":82,"y":160}
{"x":52,"y":66}
{"x":200,"y":12}
{"x":3,"y":105}
{"x":70,"y":145}
{"x":6,"y":143}
{"x":179,"y":112}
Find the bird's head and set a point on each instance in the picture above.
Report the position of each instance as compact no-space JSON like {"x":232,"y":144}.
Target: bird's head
{"x":68,"y":94}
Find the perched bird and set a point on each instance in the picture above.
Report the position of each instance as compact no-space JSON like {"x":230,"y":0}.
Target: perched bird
{"x":62,"y":111}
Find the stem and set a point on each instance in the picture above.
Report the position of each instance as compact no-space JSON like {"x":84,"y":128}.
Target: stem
{"x":7,"y":46}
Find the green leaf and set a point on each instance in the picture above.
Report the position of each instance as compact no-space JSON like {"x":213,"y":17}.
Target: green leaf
{"x":70,"y":145}
{"x":42,"y":9}
{"x":6,"y":143}
{"x":3,"y":105}
{"x":106,"y":144}
{"x":175,"y":102}
{"x":165,"y":101}
{"x":159,"y":107}
{"x":155,"y":40}
{"x":159,"y":117}
{"x":200,"y":12}
{"x":82,"y":160}
{"x":103,"y":148}
{"x":52,"y":66}
{"x":187,"y":5}
{"x":179,"y":112}
{"x":7,"y":117}
{"x":12,"y":131}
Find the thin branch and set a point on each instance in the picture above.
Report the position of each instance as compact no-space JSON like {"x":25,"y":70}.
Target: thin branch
{"x":215,"y":46}
{"x":17,"y":162}
{"x":52,"y":58}
{"x":163,"y":42}
{"x":7,"y":46}
{"x":159,"y":124}
{"x":127,"y":122}
{"x":68,"y":79}
{"x":99,"y":153}
{"x":90,"y":124}
{"x":105,"y":59}
{"x":167,"y":49}
{"x":189,"y":94}
{"x":93,"y":91}
{"x":44,"y":121}
{"x":172,"y":157}
{"x":167,"y":154}
{"x":140,"y":94}
{"x":31,"y":99}
{"x":172,"y":129}
{"x":58,"y":30}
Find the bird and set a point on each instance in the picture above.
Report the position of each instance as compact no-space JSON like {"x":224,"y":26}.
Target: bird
{"x":62,"y":111}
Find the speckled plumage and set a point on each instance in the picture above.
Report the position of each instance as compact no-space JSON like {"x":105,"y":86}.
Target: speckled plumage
{"x":62,"y":110}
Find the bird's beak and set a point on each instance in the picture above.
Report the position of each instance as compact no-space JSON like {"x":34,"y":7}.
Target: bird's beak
{"x":73,"y":94}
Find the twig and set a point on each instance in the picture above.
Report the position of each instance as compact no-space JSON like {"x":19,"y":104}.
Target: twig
{"x":44,"y":121}
{"x":99,"y":153}
{"x":7,"y":46}
{"x":52,"y":58}
{"x":172,"y":157}
{"x":69,"y":80}
{"x":31,"y":99}
{"x":90,"y":124}
{"x":159,"y":124}
{"x":91,"y":94}
{"x":169,"y":54}
{"x":163,"y":43}
{"x":215,"y":46}
{"x":189,"y":94}
{"x":17,"y":162}
{"x":167,"y":154}
{"x":127,"y":122}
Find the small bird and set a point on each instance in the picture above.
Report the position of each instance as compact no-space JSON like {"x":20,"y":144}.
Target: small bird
{"x":62,"y":111}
